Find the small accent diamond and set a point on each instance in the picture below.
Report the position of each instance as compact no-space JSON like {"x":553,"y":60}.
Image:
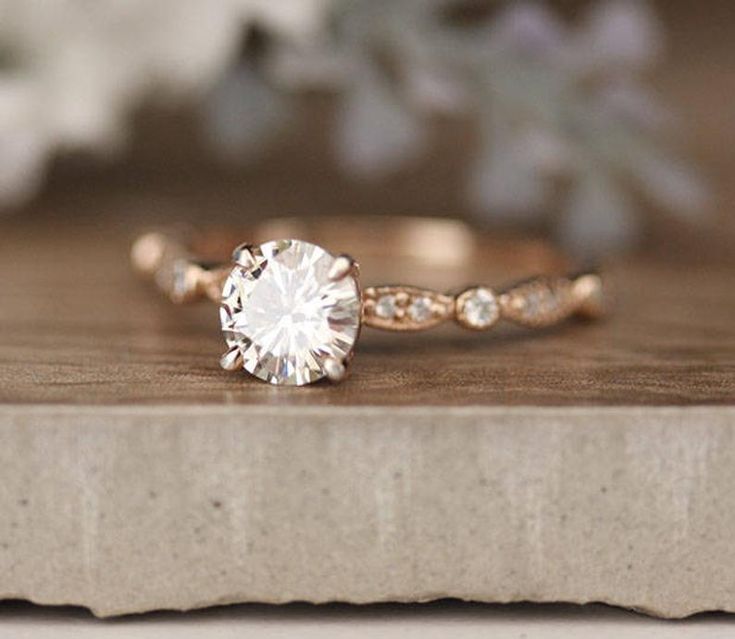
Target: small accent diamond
{"x":385,"y":307}
{"x":479,"y":308}
{"x":420,"y":309}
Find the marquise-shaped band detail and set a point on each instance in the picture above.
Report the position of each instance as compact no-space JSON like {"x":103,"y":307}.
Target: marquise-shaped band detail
{"x":545,"y":301}
{"x":405,"y":308}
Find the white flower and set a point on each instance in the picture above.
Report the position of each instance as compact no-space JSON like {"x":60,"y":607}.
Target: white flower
{"x":83,"y":67}
{"x":569,"y":101}
{"x":620,"y":34}
{"x":376,"y":133}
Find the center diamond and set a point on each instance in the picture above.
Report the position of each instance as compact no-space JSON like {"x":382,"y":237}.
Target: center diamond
{"x":286,"y":316}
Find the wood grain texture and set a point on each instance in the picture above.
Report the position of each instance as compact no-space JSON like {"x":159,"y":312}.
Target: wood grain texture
{"x":77,"y":327}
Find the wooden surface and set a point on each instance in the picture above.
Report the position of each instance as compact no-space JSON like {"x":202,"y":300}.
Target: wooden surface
{"x":77,"y":327}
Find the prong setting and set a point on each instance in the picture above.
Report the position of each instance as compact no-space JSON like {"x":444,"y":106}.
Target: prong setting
{"x":243,"y":255}
{"x":342,"y":266}
{"x":336,"y":371}
{"x":231,"y":360}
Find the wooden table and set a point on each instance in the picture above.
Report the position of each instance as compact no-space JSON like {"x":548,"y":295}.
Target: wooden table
{"x":76,"y":327}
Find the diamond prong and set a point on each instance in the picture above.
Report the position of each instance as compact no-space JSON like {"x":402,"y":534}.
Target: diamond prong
{"x":335,"y":370}
{"x":243,"y":255}
{"x":342,"y":266}
{"x":231,"y":360}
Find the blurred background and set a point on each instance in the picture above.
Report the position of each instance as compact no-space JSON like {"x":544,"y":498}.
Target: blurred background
{"x":606,"y":125}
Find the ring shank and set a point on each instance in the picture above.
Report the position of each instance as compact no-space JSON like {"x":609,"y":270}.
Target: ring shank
{"x":437,"y":254}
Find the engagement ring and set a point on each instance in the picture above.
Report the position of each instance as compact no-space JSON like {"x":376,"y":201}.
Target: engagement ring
{"x":291,"y":311}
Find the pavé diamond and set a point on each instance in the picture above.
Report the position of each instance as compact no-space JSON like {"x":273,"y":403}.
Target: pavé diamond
{"x":479,"y":308}
{"x":286,"y":316}
{"x":385,"y":307}
{"x":420,"y":309}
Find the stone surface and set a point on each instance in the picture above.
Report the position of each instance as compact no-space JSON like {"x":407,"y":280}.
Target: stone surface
{"x":438,"y":620}
{"x":127,"y":509}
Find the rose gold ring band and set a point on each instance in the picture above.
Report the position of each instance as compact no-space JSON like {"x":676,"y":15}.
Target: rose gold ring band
{"x":435,"y":257}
